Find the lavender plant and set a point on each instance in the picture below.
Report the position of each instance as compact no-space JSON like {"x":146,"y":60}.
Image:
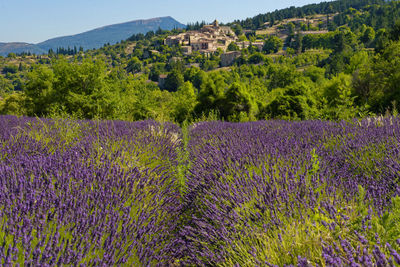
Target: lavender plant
{"x":284,"y":193}
{"x":91,"y":194}
{"x":268,"y":193}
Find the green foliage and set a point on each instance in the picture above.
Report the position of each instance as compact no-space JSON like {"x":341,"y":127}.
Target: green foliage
{"x":39,"y":90}
{"x":316,"y":74}
{"x":272,"y":45}
{"x":210,"y":95}
{"x":297,"y":101}
{"x":13,"y":104}
{"x":10,"y":69}
{"x":256,"y":58}
{"x":282,"y":75}
{"x":174,"y":80}
{"x":156,"y":70}
{"x":367,"y":35}
{"x":233,"y":47}
{"x":340,"y":102}
{"x":376,"y":82}
{"x":134,"y":65}
{"x":142,"y":100}
{"x":209,"y":65}
{"x":395,"y":31}
{"x":5,"y":86}
{"x":81,"y":89}
{"x":381,"y":40}
{"x":237,"y":104}
{"x":185,"y":101}
{"x":344,"y":39}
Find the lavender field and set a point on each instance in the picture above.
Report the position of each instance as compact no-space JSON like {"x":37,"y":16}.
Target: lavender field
{"x":268,"y":193}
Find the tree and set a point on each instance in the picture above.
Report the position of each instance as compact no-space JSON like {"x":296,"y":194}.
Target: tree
{"x":316,"y":74}
{"x":237,"y":101}
{"x":12,"y":69}
{"x":283,"y":107}
{"x":5,"y":86}
{"x":395,"y":31}
{"x":78,"y":88}
{"x":185,"y":101}
{"x":190,"y":75}
{"x":256,"y":58}
{"x":281,"y":75}
{"x":174,"y":80}
{"x":296,"y":101}
{"x":39,"y":90}
{"x":233,"y":47}
{"x":298,"y":43}
{"x":12,"y":55}
{"x":134,"y":65}
{"x":237,"y":28}
{"x":155,"y":71}
{"x":385,"y":79}
{"x":272,"y":45}
{"x":209,"y":65}
{"x":344,"y":39}
{"x":13,"y":104}
{"x":367,"y":36}
{"x":340,"y":100}
{"x":211,"y":95}
{"x":198,"y":79}
{"x":381,"y":40}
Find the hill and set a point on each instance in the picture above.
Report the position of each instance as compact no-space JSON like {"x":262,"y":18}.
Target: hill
{"x":6,"y":48}
{"x":333,"y":65}
{"x":94,"y":38}
{"x":111,"y":34}
{"x":331,"y":7}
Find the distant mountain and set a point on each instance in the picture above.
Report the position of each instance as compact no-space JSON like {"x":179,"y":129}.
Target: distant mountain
{"x":111,"y":34}
{"x":6,"y":48}
{"x":95,"y":38}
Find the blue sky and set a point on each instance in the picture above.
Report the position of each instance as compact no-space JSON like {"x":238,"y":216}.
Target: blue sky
{"x":38,"y":20}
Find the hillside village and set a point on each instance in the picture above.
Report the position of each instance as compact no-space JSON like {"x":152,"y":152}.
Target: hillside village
{"x":206,"y":40}
{"x":211,"y":42}
{"x":286,"y":64}
{"x":212,"y":37}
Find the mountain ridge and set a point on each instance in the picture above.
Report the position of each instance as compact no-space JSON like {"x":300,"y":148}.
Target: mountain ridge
{"x":95,"y":38}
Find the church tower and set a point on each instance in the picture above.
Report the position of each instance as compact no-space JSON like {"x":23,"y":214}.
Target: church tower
{"x":215,"y":23}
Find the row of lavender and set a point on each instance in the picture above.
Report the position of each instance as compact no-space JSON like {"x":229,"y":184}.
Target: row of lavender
{"x":86,"y":193}
{"x":260,"y":193}
{"x":293,"y":193}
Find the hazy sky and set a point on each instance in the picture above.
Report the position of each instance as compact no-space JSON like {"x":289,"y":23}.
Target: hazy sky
{"x":38,"y":20}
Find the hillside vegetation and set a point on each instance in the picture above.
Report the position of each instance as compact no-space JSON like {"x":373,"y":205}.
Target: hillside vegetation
{"x":333,"y":60}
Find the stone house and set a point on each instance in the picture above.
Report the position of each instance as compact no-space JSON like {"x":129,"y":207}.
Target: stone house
{"x":227,"y":59}
{"x":161,"y":80}
{"x":186,"y":50}
{"x":246,"y":44}
{"x":259,"y":45}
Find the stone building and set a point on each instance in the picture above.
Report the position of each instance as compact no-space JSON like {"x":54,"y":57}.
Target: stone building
{"x":228,"y":58}
{"x":206,"y":40}
{"x":246,"y":44}
{"x":186,"y":50}
{"x":161,"y":80}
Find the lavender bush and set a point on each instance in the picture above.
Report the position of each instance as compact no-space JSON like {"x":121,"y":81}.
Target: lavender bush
{"x":86,"y":193}
{"x":287,"y":193}
{"x":268,"y":193}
